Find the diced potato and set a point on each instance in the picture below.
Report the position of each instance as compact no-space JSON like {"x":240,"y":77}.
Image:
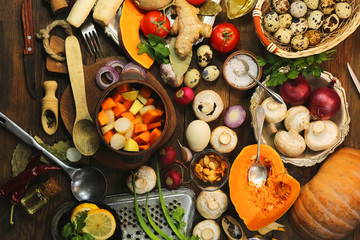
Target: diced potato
{"x":143,"y":110}
{"x":135,"y":107}
{"x":107,"y":127}
{"x":122,"y":125}
{"x":142,"y":99}
{"x":110,"y":114}
{"x":117,"y":141}
{"x":131,"y":145}
{"x":130,"y":95}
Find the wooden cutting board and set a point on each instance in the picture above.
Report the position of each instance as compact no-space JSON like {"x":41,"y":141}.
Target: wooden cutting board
{"x":93,"y":94}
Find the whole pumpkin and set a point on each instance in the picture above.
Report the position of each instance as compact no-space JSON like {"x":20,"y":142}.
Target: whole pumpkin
{"x":328,"y":206}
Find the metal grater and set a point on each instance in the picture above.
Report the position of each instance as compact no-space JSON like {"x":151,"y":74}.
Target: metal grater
{"x":123,"y":204}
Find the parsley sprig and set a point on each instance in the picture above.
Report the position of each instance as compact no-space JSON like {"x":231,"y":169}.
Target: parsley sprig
{"x":73,"y":230}
{"x":155,"y":47}
{"x":282,"y":69}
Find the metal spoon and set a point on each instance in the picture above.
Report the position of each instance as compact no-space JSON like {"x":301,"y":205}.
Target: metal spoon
{"x":257,"y":171}
{"x":245,"y":71}
{"x":85,"y":136}
{"x":86,"y":183}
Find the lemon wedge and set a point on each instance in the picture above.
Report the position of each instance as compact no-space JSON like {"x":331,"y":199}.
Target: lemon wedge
{"x":100,"y":223}
{"x":83,"y":207}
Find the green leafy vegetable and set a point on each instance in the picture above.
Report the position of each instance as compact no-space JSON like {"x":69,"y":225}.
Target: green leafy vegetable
{"x":178,"y":216}
{"x":155,"y":47}
{"x":73,"y":231}
{"x":281,"y":69}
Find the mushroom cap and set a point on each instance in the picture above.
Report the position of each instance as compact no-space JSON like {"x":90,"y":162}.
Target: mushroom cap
{"x":223,"y":139}
{"x":145,"y":180}
{"x":198,"y":135}
{"x":274,"y":111}
{"x":297,"y":118}
{"x":207,"y":105}
{"x":290,"y":143}
{"x":207,"y":230}
{"x":321,"y":135}
{"x":211,"y":204}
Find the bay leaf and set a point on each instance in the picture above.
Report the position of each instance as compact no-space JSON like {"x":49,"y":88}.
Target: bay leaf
{"x":58,"y":149}
{"x":210,"y":8}
{"x":20,"y":158}
{"x":179,"y":64}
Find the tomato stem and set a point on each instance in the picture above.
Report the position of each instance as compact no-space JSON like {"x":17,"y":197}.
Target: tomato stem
{"x":160,"y":24}
{"x":226,"y":35}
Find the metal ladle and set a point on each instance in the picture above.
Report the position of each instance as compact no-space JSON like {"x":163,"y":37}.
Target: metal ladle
{"x":87,"y":183}
{"x":257,"y":171}
{"x":245,"y":71}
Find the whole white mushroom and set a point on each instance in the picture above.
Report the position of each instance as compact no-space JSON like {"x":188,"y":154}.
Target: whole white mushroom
{"x":207,"y":230}
{"x":211,"y":204}
{"x":145,"y":180}
{"x":321,"y":135}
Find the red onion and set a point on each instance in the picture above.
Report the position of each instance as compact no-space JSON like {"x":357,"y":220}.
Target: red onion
{"x":295,"y":91}
{"x":115,"y":63}
{"x":133,"y":66}
{"x":184,"y":96}
{"x":324,"y":102}
{"x":115,"y":77}
{"x":234,"y":116}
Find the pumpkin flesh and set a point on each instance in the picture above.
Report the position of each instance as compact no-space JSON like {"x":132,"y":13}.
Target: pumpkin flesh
{"x":260,"y":206}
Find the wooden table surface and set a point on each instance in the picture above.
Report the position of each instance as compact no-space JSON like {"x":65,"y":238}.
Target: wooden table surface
{"x":15,"y":102}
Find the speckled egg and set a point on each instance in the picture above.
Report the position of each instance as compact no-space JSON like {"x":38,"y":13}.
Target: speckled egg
{"x":281,"y":6}
{"x":204,"y":55}
{"x":331,"y":23}
{"x":283,"y":35}
{"x":299,"y":42}
{"x":315,"y":19}
{"x":271,"y":22}
{"x":299,"y":26}
{"x":343,"y":10}
{"x":211,"y":73}
{"x":327,"y":6}
{"x":285,"y":20}
{"x":312,"y":4}
{"x":314,"y":37}
{"x":298,"y":9}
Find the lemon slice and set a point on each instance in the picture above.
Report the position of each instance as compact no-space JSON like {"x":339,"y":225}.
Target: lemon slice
{"x":100,"y":223}
{"x":84,"y":207}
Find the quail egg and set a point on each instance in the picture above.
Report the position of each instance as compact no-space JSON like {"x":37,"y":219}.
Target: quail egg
{"x":312,"y":4}
{"x":314,"y":37}
{"x":192,"y":78}
{"x":204,"y":55}
{"x":315,"y":19}
{"x":299,"y":42}
{"x":327,"y":6}
{"x":285,"y":20}
{"x":299,"y":26}
{"x":331,"y":23}
{"x":298,"y":9}
{"x":283,"y":35}
{"x":281,"y":6}
{"x":343,"y":10}
{"x":271,"y":22}
{"x":211,"y":73}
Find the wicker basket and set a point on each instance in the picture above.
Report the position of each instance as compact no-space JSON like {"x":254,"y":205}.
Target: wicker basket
{"x":329,"y":40}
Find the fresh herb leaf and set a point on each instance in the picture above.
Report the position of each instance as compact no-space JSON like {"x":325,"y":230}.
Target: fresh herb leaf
{"x":194,"y":238}
{"x":155,"y":47}
{"x":87,"y":236}
{"x":80,"y":221}
{"x":178,"y":216}
{"x":73,"y":231}
{"x":67,"y":231}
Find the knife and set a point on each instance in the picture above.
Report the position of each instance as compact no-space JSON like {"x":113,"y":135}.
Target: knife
{"x":29,"y":57}
{"x":353,"y":77}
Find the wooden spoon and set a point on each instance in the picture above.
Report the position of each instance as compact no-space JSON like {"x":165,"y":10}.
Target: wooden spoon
{"x":232,"y":228}
{"x":85,"y":136}
{"x":50,"y":108}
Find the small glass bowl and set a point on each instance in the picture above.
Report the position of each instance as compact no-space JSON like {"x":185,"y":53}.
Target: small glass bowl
{"x":246,"y":55}
{"x":206,"y":185}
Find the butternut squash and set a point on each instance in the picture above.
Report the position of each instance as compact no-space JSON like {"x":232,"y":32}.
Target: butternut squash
{"x":260,"y":206}
{"x":129,"y":36}
{"x":329,"y":204}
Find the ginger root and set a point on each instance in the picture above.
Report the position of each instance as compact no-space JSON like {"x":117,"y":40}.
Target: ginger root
{"x":188,"y":27}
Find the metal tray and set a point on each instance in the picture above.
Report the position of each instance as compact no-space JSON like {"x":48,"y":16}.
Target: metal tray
{"x":123,"y":205}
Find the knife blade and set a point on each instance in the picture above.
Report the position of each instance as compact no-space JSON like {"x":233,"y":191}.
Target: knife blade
{"x":353,"y":77}
{"x":29,"y":57}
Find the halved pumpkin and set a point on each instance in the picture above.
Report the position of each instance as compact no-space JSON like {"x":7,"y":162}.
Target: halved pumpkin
{"x":260,"y":206}
{"x":129,"y":35}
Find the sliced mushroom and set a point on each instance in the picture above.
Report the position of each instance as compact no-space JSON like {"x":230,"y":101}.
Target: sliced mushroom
{"x":274,"y":111}
{"x":207,"y":230}
{"x":145,"y":180}
{"x":223,"y":139}
{"x":297,"y":118}
{"x":232,"y":228}
{"x":207,"y":105}
{"x":290,"y":143}
{"x":211,"y":204}
{"x":321,"y":135}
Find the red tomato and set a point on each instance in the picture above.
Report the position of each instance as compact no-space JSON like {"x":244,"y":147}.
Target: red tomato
{"x":196,"y":2}
{"x":225,"y":37}
{"x":156,"y":23}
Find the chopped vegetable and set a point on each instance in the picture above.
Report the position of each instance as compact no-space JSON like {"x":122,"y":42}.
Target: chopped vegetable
{"x":235,"y":116}
{"x":112,"y":76}
{"x":73,"y":155}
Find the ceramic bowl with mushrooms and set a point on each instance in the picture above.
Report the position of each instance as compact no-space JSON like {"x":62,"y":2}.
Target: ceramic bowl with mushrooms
{"x":298,"y":138}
